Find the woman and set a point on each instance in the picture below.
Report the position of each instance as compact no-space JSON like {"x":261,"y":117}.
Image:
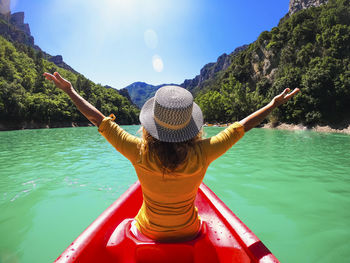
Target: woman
{"x":171,"y":158}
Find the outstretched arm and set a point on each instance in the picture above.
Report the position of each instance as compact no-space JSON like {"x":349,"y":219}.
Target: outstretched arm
{"x":89,"y":111}
{"x":257,"y":117}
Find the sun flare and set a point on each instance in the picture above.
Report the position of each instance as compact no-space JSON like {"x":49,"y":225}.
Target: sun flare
{"x":157,"y":63}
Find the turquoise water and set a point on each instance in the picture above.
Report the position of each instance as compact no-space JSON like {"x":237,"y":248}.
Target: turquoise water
{"x":292,"y":188}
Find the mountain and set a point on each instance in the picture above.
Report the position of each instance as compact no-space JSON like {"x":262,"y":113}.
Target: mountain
{"x":28,"y":101}
{"x":209,"y":71}
{"x":309,"y":49}
{"x":123,"y":92}
{"x":297,"y":5}
{"x":13,"y":28}
{"x":140,"y":92}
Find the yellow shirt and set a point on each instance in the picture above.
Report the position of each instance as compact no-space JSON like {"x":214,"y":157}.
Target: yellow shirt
{"x":168,"y":211}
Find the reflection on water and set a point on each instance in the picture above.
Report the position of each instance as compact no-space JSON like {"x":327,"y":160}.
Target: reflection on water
{"x":292,"y":188}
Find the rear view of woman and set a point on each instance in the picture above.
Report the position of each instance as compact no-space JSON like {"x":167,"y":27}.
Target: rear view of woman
{"x":171,"y":158}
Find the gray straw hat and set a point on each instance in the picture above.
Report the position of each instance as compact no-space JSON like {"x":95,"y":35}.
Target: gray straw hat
{"x":171,"y":115}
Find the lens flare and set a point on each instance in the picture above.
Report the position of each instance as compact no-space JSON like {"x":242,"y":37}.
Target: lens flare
{"x":151,"y":38}
{"x":157,"y":63}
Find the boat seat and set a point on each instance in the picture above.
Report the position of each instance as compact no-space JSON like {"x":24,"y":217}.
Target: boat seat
{"x":123,"y":246}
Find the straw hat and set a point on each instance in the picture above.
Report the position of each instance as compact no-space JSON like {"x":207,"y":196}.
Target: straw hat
{"x":171,"y":115}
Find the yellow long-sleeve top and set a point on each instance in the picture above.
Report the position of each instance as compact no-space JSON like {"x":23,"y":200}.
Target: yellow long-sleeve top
{"x":168,"y":212}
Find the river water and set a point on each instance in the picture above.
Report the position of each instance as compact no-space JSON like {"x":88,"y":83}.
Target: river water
{"x":291,"y":188}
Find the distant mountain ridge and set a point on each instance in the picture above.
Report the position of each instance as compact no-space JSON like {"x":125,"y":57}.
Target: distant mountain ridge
{"x":140,"y":92}
{"x":308,"y":49}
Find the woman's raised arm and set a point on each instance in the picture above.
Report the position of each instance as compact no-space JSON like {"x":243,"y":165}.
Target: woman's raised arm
{"x":257,"y":117}
{"x":89,"y":111}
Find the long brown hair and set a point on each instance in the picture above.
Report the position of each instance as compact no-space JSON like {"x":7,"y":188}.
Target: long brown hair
{"x":170,"y":154}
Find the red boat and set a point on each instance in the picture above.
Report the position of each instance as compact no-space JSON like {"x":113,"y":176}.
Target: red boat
{"x":223,"y":237}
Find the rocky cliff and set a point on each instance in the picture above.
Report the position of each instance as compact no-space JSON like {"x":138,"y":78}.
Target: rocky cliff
{"x":264,"y":63}
{"x":297,"y":5}
{"x":17,"y":19}
{"x":58,"y":60}
{"x":264,"y":60}
{"x":5,"y":7}
{"x":13,"y":28}
{"x":210,"y":70}
{"x":308,"y":50}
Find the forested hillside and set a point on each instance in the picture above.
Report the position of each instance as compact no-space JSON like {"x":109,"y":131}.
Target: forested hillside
{"x":27,"y":100}
{"x":309,"y":50}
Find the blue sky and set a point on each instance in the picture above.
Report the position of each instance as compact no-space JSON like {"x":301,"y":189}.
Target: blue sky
{"x":118,"y":42}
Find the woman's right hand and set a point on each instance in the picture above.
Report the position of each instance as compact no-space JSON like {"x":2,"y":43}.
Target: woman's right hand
{"x":284,"y":97}
{"x":89,"y":111}
{"x":60,"y":82}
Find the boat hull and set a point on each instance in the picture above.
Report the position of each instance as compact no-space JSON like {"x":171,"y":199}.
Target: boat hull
{"x":223,"y":238}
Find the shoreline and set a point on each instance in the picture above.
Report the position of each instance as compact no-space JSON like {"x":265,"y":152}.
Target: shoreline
{"x":31,"y":125}
{"x":12,"y":126}
{"x":295,"y":127}
{"x":300,"y":127}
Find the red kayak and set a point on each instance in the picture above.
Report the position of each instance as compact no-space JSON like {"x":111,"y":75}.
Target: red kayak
{"x":223,"y":237}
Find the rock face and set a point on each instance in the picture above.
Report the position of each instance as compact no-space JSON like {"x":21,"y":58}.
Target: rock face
{"x":5,"y":7}
{"x":17,"y":19}
{"x":13,"y":28}
{"x":15,"y":33}
{"x":210,"y":69}
{"x":297,"y":5}
{"x":58,"y":61}
{"x":267,"y":69}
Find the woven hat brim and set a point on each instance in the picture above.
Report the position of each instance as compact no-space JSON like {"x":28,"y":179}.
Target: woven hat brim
{"x":168,"y":135}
